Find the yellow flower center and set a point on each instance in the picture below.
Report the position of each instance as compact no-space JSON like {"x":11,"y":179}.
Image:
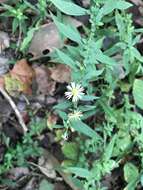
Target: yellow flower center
{"x":74,"y":92}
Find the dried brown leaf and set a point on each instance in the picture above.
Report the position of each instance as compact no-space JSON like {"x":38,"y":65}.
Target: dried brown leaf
{"x":61,"y":73}
{"x":46,"y":38}
{"x":45,"y":85}
{"x":22,"y":71}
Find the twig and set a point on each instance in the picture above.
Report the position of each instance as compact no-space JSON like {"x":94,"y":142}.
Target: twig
{"x":17,"y":113}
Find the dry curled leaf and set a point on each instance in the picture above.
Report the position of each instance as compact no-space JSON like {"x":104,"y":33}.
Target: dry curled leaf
{"x":45,"y":85}
{"x":61,"y":73}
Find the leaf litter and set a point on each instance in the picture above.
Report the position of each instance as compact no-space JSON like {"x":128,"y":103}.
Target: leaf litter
{"x":38,"y":83}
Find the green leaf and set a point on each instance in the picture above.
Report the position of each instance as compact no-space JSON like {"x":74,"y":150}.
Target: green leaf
{"x":67,"y":30}
{"x":108,"y":110}
{"x":86,"y":108}
{"x":70,"y":150}
{"x":81,"y":172}
{"x":62,"y":105}
{"x":138,"y":92}
{"x":45,"y":185}
{"x":28,"y":38}
{"x":130,"y":172}
{"x":104,"y":59}
{"x":62,"y":114}
{"x":89,"y":98}
{"x":120,"y":23}
{"x":69,"y":7}
{"x":122,"y":5}
{"x":15,"y":25}
{"x":83,"y":128}
{"x":141,"y":180}
{"x":136,"y":54}
{"x":110,"y":6}
{"x":131,"y":186}
{"x":66,"y":59}
{"x":109,"y":149}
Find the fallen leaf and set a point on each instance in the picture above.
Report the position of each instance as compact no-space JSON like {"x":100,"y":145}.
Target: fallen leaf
{"x":4,"y":67}
{"x":3,"y":1}
{"x":46,"y":166}
{"x":45,"y":85}
{"x":22,"y":71}
{"x":2,"y":82}
{"x":15,"y":86}
{"x":86,"y":3}
{"x":18,"y":172}
{"x":51,"y":120}
{"x":45,"y":39}
{"x":61,"y":73}
{"x":4,"y":41}
{"x":137,"y":2}
{"x":19,"y":79}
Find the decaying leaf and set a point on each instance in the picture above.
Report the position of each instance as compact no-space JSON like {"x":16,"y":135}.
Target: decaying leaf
{"x":45,"y":85}
{"x":19,"y":79}
{"x":18,"y":172}
{"x":45,"y":39}
{"x":22,"y":71}
{"x":2,"y":82}
{"x":3,"y":65}
{"x":61,"y":73}
{"x":46,"y":167}
{"x":51,"y":120}
{"x":4,"y":41}
{"x":14,"y":86}
{"x":137,"y":2}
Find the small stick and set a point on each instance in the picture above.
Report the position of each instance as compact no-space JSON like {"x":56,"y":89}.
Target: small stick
{"x":13,"y":105}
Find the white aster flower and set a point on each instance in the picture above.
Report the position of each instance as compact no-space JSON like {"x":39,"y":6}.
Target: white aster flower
{"x":75,"y":115}
{"x":75,"y":92}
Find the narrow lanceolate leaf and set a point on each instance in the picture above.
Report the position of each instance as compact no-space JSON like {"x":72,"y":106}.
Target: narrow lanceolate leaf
{"x":83,"y":128}
{"x":66,"y":59}
{"x":109,"y":149}
{"x":80,"y":172}
{"x":105,"y":59}
{"x":67,"y":30}
{"x":110,"y":6}
{"x":69,"y":7}
{"x":28,"y":38}
{"x":138,"y":92}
